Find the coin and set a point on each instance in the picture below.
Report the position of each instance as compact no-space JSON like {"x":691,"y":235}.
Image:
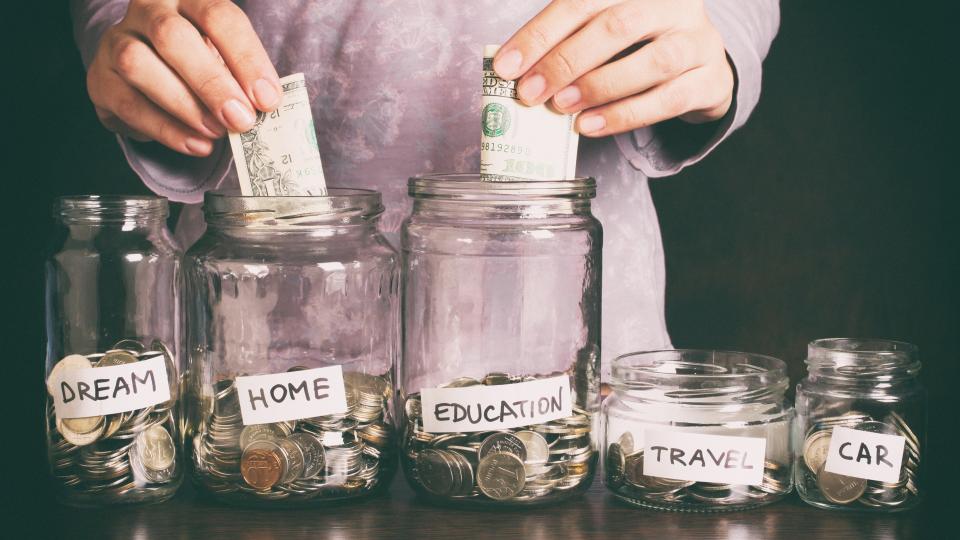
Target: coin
{"x":436,"y":472}
{"x":295,"y":459}
{"x":626,"y":443}
{"x":116,"y":358}
{"x":535,"y":446}
{"x":815,"y":449}
{"x":67,"y":363}
{"x":83,"y":425}
{"x":261,"y":465}
{"x":501,"y":475}
{"x":838,"y":488}
{"x":261,"y":432}
{"x":81,"y":438}
{"x":615,"y":464}
{"x":155,"y":448}
{"x":313,"y":453}
{"x":503,"y":442}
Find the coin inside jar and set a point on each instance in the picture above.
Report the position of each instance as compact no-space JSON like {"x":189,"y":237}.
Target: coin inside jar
{"x":154,"y":454}
{"x":261,"y":432}
{"x":501,"y":475}
{"x":815,"y":449}
{"x":262,"y":465}
{"x":313,"y":453}
{"x":838,"y":488}
{"x":536,"y":448}
{"x":503,"y":442}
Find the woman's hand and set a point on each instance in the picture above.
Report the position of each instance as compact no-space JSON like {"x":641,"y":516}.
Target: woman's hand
{"x":179,"y":72}
{"x":565,"y":53}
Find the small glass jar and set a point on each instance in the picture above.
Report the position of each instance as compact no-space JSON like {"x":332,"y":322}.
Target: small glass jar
{"x":502,"y":287}
{"x":697,"y":430}
{"x":113,"y":336}
{"x":304,"y":291}
{"x":865,"y":393}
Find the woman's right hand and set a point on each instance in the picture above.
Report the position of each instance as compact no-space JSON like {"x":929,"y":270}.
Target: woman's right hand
{"x":181,"y":71}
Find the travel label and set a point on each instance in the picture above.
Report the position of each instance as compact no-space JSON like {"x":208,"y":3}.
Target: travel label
{"x":292,"y":395}
{"x":699,"y":457}
{"x":97,"y":391}
{"x":491,"y":408}
{"x":863,"y":454}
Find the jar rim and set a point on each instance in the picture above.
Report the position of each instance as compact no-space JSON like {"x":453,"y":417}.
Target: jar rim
{"x":703,"y":375}
{"x":469,"y":187}
{"x":96,"y":208}
{"x":340,"y":206}
{"x":863,"y":357}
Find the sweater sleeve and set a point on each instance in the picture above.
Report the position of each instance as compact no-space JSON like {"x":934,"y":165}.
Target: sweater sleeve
{"x":167,"y":173}
{"x":748,"y":28}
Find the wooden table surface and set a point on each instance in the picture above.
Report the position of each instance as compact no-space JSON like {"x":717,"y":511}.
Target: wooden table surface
{"x":399,"y":514}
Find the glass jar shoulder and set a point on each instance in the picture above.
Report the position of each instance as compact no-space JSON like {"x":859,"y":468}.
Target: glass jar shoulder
{"x":368,"y":251}
{"x":579,"y":234}
{"x":903,"y":391}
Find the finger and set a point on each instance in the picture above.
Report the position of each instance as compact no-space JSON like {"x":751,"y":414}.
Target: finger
{"x":117,"y":126}
{"x":143,"y":116}
{"x":611,"y":31}
{"x":695,"y":90}
{"x":543,"y":32}
{"x":180,"y":45}
{"x":136,"y":63}
{"x":234,"y":37}
{"x":666,"y":57}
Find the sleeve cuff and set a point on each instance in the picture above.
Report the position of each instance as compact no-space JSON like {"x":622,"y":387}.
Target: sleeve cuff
{"x":666,"y":148}
{"x":173,"y":175}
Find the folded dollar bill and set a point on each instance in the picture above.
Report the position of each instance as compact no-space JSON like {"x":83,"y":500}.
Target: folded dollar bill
{"x":279,"y":155}
{"x":521,"y":142}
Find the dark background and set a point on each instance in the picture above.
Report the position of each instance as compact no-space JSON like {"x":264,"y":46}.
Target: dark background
{"x":832,"y":213}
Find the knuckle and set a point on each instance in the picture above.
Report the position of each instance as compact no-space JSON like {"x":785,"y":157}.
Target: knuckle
{"x":563,"y":64}
{"x":216,"y":13}
{"x":165,"y":29}
{"x":618,"y":20}
{"x":127,"y":108}
{"x":538,"y":37}
{"x":597,"y":88}
{"x":668,"y":56}
{"x":210,"y":88}
{"x":127,"y":56}
{"x":675,"y":100}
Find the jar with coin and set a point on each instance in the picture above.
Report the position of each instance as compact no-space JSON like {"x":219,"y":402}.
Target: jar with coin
{"x":697,"y":430}
{"x":861,"y":422}
{"x":294,"y":331}
{"x":499,"y":385}
{"x":113,"y":338}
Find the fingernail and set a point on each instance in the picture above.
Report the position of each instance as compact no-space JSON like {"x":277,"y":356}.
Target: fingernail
{"x":198,"y":146}
{"x":567,"y":97}
{"x":531,"y":87}
{"x":508,"y":64}
{"x":238,"y":116}
{"x":591,"y":123}
{"x":266,"y":94}
{"x":212,"y":125}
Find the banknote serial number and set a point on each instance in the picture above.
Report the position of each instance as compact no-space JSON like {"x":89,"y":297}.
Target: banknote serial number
{"x":516,"y":149}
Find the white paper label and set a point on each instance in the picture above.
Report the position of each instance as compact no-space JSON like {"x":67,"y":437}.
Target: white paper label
{"x":493,"y":407}
{"x":700,"y":457}
{"x":863,"y":454}
{"x":98,"y":391}
{"x":291,"y":395}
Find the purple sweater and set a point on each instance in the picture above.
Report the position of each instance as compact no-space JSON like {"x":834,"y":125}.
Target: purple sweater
{"x":373,"y":68}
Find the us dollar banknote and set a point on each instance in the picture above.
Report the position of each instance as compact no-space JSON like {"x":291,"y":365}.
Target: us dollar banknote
{"x":279,"y":156}
{"x":521,"y":142}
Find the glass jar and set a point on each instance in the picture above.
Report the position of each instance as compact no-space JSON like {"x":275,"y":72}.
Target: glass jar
{"x":112,"y":371}
{"x":697,"y":430}
{"x":861,"y":414}
{"x":501,"y":288}
{"x":293,"y":334}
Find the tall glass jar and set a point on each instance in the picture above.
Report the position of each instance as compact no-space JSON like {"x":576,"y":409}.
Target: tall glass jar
{"x":499,"y":383}
{"x":861,"y":425}
{"x":293,"y":334}
{"x":698,"y":431}
{"x":113,"y":337}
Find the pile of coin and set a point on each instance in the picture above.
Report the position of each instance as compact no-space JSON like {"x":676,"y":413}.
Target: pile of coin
{"x":329,"y":457}
{"x":844,"y":490}
{"x":623,"y":472}
{"x":123,"y":457}
{"x":530,"y":464}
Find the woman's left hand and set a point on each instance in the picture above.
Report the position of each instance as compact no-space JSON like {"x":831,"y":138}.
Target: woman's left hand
{"x":565,"y":53}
